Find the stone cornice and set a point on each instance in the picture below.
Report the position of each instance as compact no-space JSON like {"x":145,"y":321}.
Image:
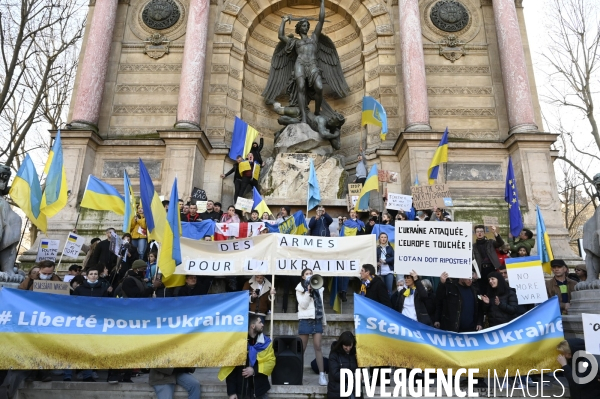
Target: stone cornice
{"x":188,"y":137}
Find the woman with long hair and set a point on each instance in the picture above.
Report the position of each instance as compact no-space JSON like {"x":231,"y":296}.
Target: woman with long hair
{"x":385,"y":262}
{"x":311,"y":317}
{"x":500,"y":303}
{"x":342,"y":356}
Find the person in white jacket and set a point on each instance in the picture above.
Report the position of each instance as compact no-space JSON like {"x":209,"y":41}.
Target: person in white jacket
{"x":311,"y":317}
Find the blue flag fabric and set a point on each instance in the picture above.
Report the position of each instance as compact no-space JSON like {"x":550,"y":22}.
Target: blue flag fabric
{"x":198,"y":230}
{"x":388,"y":229}
{"x":511,"y":196}
{"x":314,"y":192}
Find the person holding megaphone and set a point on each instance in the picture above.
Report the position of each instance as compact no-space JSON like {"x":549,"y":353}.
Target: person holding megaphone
{"x":311,"y":315}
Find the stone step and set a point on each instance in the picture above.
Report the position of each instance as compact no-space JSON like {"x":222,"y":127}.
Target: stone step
{"x":287,"y":324}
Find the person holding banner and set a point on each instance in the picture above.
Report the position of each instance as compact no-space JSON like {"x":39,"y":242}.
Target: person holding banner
{"x":457,"y":308}
{"x":385,"y":262}
{"x":261,"y":295}
{"x":311,"y":317}
{"x":500,"y":304}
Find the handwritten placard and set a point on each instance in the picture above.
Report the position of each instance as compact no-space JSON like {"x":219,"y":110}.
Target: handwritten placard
{"x":244,"y":204}
{"x":51,"y":287}
{"x":399,"y":202}
{"x":73,"y":245}
{"x":47,"y":250}
{"x":527,"y":277}
{"x":429,"y":197}
{"x":199,"y":195}
{"x":201,"y":206}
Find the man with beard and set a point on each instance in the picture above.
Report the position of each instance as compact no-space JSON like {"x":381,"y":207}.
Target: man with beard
{"x":457,"y":306}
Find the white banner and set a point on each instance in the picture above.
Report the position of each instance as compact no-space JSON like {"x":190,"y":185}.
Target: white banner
{"x":47,"y":250}
{"x":591,"y":332}
{"x":431,"y":248}
{"x":73,"y":246}
{"x":399,"y":202}
{"x":280,"y":254}
{"x":526,"y":276}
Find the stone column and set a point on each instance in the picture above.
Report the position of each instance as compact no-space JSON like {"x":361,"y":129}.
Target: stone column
{"x":86,"y":111}
{"x":519,"y":105}
{"x":413,"y":68}
{"x":192,"y":70}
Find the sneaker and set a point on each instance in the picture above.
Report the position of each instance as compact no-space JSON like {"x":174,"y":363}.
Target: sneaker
{"x":89,"y":379}
{"x":343,"y":296}
{"x":322,"y":379}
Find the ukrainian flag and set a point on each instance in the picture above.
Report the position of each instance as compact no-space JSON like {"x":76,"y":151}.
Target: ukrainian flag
{"x":169,"y":255}
{"x":154,"y":212}
{"x":351,"y":227}
{"x":242,"y":139}
{"x":101,"y":196}
{"x":72,"y":238}
{"x":544,"y":249}
{"x":259,"y":203}
{"x":388,"y":229}
{"x":296,"y":225}
{"x":372,"y":183}
{"x":245,"y":166}
{"x":55,"y":195}
{"x":334,"y":298}
{"x":44,"y":244}
{"x":374,"y":114}
{"x":440,"y":156}
{"x":26,"y":192}
{"x":130,"y":211}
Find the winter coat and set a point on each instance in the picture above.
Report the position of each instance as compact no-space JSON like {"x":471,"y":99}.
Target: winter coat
{"x":378,"y":292}
{"x":103,"y":256}
{"x":339,"y":360}
{"x":420,"y":295}
{"x":100,"y":289}
{"x":591,"y":390}
{"x":553,"y":289}
{"x":518,"y":243}
{"x":320,"y":227}
{"x":237,"y":384}
{"x":262,"y":304}
{"x":201,"y":288}
{"x":389,"y":255}
{"x":306,"y":304}
{"x":490,"y":249}
{"x":505,"y":311}
{"x":256,"y":152}
{"x":140,"y":224}
{"x":449,"y":306}
{"x":134,"y":287}
{"x":27,"y":284}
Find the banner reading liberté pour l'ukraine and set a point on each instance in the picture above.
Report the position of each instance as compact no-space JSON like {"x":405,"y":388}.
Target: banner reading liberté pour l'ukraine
{"x":44,"y":331}
{"x":388,"y":338}
{"x":279,"y":254}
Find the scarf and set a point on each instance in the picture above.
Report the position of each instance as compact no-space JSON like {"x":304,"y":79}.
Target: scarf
{"x":408,"y":292}
{"x":253,"y":350}
{"x":318,"y":305}
{"x":383,"y":251}
{"x":365,"y":285}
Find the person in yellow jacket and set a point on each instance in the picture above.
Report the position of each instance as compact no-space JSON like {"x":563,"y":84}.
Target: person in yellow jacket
{"x":139,"y":238}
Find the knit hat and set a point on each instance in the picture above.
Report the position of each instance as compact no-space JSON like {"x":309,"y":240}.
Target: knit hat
{"x":139,"y":264}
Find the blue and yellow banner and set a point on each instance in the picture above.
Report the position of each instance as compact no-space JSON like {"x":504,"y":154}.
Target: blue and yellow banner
{"x":26,"y":192}
{"x":101,"y":196}
{"x":242,"y":139}
{"x":388,"y":338}
{"x":373,"y":113}
{"x":295,"y":225}
{"x":38,"y":331}
{"x":439,"y":157}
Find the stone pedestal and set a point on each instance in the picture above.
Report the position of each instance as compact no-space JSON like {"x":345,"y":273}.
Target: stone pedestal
{"x":286,"y":176}
{"x":301,"y":138}
{"x":587,"y":301}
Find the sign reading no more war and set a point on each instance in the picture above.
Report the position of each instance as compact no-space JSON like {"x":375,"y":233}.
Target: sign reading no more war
{"x":526,"y":276}
{"x":431,"y":248}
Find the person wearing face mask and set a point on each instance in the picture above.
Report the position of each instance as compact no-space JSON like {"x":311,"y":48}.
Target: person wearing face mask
{"x":46,"y":272}
{"x":93,"y":286}
{"x":342,"y":356}
{"x":133,"y":285}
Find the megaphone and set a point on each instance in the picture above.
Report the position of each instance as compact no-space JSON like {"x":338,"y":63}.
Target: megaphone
{"x":316,"y":282}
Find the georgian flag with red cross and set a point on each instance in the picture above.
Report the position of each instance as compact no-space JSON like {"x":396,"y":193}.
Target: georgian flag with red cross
{"x":224,"y":231}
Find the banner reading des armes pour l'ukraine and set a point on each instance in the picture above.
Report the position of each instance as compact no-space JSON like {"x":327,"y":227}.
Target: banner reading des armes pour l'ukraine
{"x":72,"y":332}
{"x":388,"y":338}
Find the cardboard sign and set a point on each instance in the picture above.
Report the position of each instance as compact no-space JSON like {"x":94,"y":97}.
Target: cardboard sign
{"x":399,"y":202}
{"x":490,"y":221}
{"x":73,"y":246}
{"x":433,"y":248}
{"x":244,"y":204}
{"x":199,"y":195}
{"x":527,"y":277}
{"x":386,"y":176}
{"x":47,"y":250}
{"x":429,"y":197}
{"x":591,"y":332}
{"x":354,"y":190}
{"x":201,"y":206}
{"x":51,"y":287}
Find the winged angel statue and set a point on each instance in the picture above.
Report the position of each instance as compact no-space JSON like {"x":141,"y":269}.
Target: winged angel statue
{"x":302,"y":65}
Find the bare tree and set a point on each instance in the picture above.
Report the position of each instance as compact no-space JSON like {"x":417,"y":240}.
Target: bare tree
{"x":39,"y":43}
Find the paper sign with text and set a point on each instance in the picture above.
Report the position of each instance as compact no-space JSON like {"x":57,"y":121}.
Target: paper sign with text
{"x":527,"y":277}
{"x":354,"y":189}
{"x":399,"y":202}
{"x":73,"y":245}
{"x":51,"y":287}
{"x":591,"y":332}
{"x":201,"y":206}
{"x":433,"y":248}
{"x":198,"y":194}
{"x":47,"y":250}
{"x":429,"y":197}
{"x":490,"y":221}
{"x":244,"y":204}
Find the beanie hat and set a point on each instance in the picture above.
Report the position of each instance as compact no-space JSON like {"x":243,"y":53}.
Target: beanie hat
{"x":138,"y":264}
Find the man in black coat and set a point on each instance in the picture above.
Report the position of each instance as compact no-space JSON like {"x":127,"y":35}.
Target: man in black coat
{"x":373,"y":287}
{"x":237,"y":177}
{"x":102,"y":254}
{"x":457,"y":307}
{"x":256,"y":149}
{"x":484,"y":252}
{"x":319,"y":224}
{"x":194,"y":285}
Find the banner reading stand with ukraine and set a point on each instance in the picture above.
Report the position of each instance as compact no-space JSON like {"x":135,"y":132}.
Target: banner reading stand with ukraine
{"x":45,"y":331}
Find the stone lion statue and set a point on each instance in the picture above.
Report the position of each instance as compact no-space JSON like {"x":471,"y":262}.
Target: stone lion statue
{"x":10,"y":229}
{"x":591,"y":246}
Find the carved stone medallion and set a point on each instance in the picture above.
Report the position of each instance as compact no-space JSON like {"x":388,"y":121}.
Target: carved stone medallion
{"x":161,"y":14}
{"x":449,"y":15}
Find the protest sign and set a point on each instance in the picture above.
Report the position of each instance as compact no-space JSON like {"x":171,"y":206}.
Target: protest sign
{"x":490,"y":221}
{"x":198,"y":195}
{"x":527,"y":277}
{"x":399,"y":202}
{"x":591,"y":332}
{"x":200,"y":331}
{"x":354,"y":190}
{"x":244,"y":204}
{"x":386,"y":176}
{"x":115,"y":243}
{"x":51,"y":287}
{"x":433,"y":196}
{"x":47,"y":250}
{"x":433,"y":248}
{"x":73,"y":246}
{"x":201,"y":206}
{"x":385,"y":337}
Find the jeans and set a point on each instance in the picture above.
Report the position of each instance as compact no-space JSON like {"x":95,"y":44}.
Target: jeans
{"x":186,"y":380}
{"x":85,"y":373}
{"x":389,"y":282}
{"x":140,"y":244}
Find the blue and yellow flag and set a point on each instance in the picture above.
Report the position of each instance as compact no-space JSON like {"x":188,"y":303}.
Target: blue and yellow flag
{"x":154,"y":212}
{"x":130,"y":211}
{"x":169,"y":255}
{"x":26,"y":192}
{"x":334,"y":298}
{"x":373,"y":113}
{"x":242,"y":139}
{"x":296,"y":224}
{"x":101,"y":196}
{"x":259,"y":203}
{"x":371,"y":183}
{"x":314,"y":192}
{"x":544,"y":249}
{"x":511,"y":196}
{"x":55,"y":194}
{"x":351,"y":227}
{"x":440,"y":156}
{"x":388,"y":229}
